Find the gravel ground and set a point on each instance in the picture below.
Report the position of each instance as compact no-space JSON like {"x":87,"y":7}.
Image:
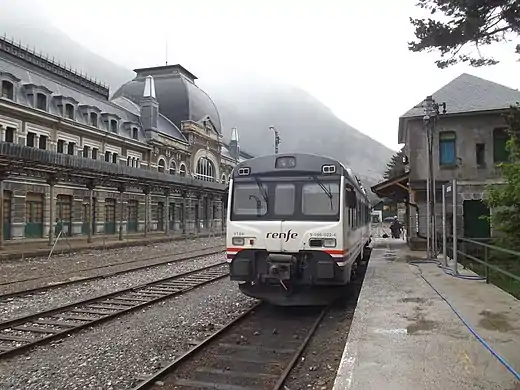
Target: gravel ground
{"x":11,"y":270}
{"x":70,"y":266}
{"x":318,"y":365}
{"x":28,"y":304}
{"x":116,"y":354}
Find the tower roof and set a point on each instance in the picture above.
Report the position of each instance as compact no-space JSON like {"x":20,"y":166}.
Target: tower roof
{"x":179,"y":98}
{"x":149,"y":87}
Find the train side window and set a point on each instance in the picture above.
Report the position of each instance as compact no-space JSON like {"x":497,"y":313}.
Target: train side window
{"x":350,"y":198}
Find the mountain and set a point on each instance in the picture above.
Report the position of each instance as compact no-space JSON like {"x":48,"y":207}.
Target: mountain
{"x":304,"y":123}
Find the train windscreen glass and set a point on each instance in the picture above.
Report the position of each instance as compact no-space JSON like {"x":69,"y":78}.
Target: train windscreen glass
{"x":320,"y":198}
{"x":299,"y":198}
{"x":249,"y":199}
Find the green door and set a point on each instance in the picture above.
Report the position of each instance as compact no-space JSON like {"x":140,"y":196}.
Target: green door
{"x":132,"y":213}
{"x":110,"y":216}
{"x":474,"y":225}
{"x":171,"y":216}
{"x":85,"y":228}
{"x":34,"y":216}
{"x":160,"y":216}
{"x":7,"y":217}
{"x":63,"y":215}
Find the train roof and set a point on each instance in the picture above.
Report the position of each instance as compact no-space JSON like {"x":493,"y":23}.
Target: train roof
{"x":305,"y":163}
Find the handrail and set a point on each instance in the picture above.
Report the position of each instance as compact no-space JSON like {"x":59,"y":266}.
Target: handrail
{"x":484,"y":261}
{"x":494,"y":247}
{"x":80,"y":165}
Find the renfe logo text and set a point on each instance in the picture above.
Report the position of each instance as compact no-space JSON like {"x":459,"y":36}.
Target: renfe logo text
{"x":288,"y":236}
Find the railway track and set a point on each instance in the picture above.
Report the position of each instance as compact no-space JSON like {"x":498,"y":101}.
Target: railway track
{"x":193,"y":254}
{"x":255,"y":351}
{"x":20,"y":334}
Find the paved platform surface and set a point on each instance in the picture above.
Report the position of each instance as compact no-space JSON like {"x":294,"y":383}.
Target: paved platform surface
{"x":404,"y":336}
{"x":40,"y":247}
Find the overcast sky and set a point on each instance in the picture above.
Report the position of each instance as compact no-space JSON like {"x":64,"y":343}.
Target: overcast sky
{"x":352,"y":55}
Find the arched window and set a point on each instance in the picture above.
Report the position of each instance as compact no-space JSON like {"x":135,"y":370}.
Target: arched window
{"x":172,"y":167}
{"x":128,"y":161}
{"x":7,"y":90}
{"x":161,"y":165}
{"x":205,"y":169}
{"x":182,"y":170}
{"x":223,"y":179}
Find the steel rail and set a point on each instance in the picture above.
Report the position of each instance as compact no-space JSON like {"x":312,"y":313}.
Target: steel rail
{"x":207,"y":343}
{"x":61,"y":321}
{"x":107,"y":275}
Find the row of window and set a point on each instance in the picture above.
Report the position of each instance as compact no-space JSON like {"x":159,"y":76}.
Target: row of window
{"x":69,"y":110}
{"x":448,"y":148}
{"x":205,"y":167}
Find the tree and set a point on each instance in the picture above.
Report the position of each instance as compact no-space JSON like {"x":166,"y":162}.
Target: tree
{"x":395,"y":166}
{"x":505,"y":198}
{"x":477,"y":22}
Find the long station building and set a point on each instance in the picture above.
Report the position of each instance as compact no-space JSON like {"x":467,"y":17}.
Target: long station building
{"x":149,"y":157}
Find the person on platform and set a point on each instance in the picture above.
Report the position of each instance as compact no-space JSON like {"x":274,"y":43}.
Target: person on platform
{"x":396,"y":228}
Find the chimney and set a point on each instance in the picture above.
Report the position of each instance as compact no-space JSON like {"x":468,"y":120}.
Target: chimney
{"x":149,"y":107}
{"x":234,"y":146}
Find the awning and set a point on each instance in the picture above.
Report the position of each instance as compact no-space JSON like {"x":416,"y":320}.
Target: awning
{"x":395,"y":188}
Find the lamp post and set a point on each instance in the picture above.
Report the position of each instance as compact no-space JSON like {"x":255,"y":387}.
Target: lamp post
{"x":276,"y":139}
{"x":431,"y":114}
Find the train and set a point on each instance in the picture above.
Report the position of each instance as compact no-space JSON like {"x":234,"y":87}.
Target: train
{"x":298,"y":227}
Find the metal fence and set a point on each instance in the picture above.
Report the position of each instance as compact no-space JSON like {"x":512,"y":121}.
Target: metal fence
{"x":496,"y":265}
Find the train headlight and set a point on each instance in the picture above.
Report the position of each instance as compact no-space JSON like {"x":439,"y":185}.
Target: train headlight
{"x":329,"y":242}
{"x":238,"y":241}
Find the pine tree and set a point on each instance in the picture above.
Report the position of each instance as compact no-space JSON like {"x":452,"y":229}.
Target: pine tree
{"x":395,"y":166}
{"x":461,"y":23}
{"x":504,"y":199}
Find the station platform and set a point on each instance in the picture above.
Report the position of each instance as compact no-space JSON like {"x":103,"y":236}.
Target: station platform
{"x":404,"y":336}
{"x":40,"y":247}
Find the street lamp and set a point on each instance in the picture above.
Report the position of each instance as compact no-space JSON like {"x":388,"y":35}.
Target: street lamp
{"x":276,"y":139}
{"x":431,"y":114}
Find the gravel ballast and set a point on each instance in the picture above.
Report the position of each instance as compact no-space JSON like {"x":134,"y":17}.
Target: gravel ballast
{"x":29,"y":304}
{"x":43,"y":272}
{"x":116,"y":354}
{"x":11,"y":270}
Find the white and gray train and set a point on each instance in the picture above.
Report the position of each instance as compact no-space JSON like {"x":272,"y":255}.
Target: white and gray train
{"x":297,"y":227}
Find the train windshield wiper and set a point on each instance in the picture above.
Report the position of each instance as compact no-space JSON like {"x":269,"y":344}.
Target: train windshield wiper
{"x":263,"y":191}
{"x":325,"y":190}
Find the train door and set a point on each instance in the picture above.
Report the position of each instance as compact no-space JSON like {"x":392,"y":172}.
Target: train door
{"x":284,"y":205}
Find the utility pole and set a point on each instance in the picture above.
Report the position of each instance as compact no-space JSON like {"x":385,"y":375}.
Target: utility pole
{"x":276,"y":139}
{"x":431,"y":115}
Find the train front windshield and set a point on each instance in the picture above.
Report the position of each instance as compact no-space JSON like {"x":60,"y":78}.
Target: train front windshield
{"x":314,"y":198}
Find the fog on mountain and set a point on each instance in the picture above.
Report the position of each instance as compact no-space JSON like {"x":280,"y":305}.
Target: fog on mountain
{"x":304,"y":123}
